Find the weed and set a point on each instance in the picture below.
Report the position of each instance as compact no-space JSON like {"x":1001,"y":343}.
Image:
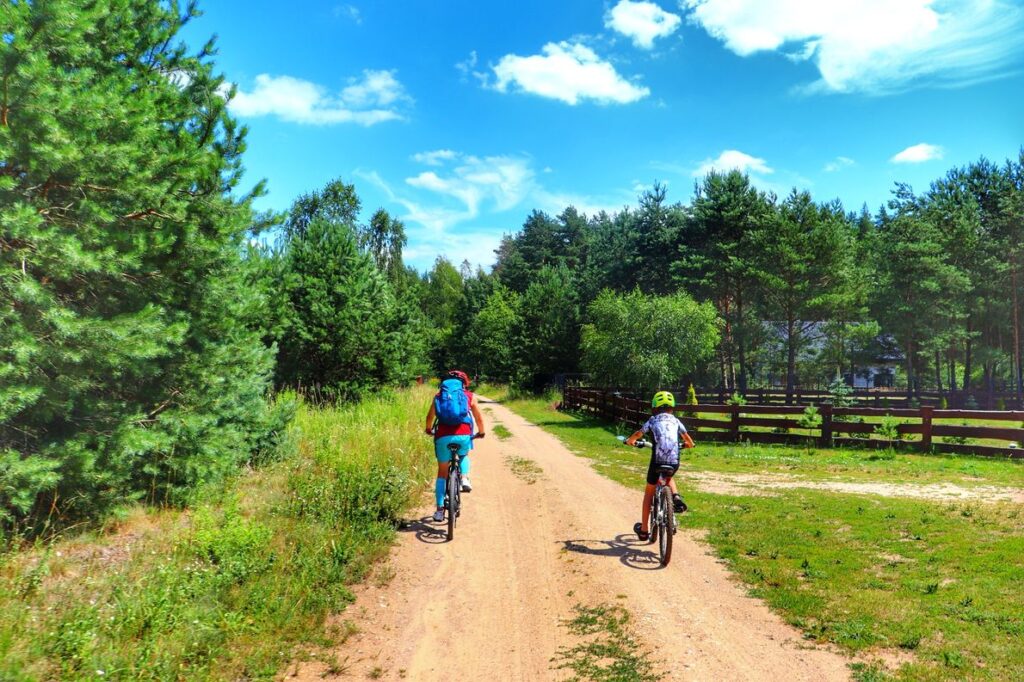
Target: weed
{"x":610,"y":650}
{"x":525,"y":469}
{"x":501,"y":432}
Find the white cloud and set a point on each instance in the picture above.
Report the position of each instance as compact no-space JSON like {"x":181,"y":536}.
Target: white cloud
{"x":918,"y":153}
{"x":838,"y":163}
{"x":731,"y":159}
{"x":434,"y":158}
{"x":568,"y":72}
{"x":350,"y":12}
{"x":374,"y":98}
{"x":502,"y":181}
{"x":874,"y":46}
{"x":643,"y":22}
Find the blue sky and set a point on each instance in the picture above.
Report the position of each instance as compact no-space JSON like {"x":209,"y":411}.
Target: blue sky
{"x":460,"y":117}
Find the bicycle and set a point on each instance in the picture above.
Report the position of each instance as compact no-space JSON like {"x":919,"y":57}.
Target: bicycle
{"x":661,"y":524}
{"x":453,"y":496}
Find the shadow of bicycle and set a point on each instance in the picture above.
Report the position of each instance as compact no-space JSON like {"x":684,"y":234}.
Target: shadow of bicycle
{"x":625,"y":547}
{"x":426,"y":529}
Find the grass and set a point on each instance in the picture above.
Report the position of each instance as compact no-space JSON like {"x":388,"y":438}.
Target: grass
{"x":940,"y":582}
{"x":592,"y":437}
{"x":238,"y":584}
{"x":610,"y":650}
{"x":525,"y":469}
{"x":501,"y":431}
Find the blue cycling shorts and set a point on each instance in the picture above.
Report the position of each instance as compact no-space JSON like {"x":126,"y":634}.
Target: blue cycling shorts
{"x":441,"y":447}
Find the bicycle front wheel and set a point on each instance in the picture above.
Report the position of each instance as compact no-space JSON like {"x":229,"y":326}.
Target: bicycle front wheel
{"x":665,"y":539}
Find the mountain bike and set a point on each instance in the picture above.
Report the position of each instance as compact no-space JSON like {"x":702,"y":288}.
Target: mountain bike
{"x":661,"y":524}
{"x":453,"y":497}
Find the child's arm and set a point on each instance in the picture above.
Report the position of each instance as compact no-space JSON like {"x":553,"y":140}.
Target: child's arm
{"x":431,"y":418}
{"x":635,"y":437}
{"x":688,"y":441}
{"x":478,"y":418}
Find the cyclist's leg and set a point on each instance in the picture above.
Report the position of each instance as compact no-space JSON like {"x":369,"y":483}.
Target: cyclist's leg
{"x":652,"y":480}
{"x":443,"y":459}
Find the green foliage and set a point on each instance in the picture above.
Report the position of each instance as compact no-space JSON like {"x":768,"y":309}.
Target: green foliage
{"x":640,"y":340}
{"x":810,"y":419}
{"x":888,"y":428}
{"x":344,"y":330}
{"x":547,"y":334}
{"x":487,"y":346}
{"x":127,"y":368}
{"x":691,"y":395}
{"x":736,"y":399}
{"x":238,"y":586}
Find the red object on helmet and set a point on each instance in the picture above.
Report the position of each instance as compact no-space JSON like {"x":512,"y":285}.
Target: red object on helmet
{"x":460,"y":375}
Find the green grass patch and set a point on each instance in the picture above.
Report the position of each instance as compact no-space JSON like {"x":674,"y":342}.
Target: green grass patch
{"x":234,"y":586}
{"x":501,"y":432}
{"x":941,"y":581}
{"x":610,"y":650}
{"x":525,"y":469}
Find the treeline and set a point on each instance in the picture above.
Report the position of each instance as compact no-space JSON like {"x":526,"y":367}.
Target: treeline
{"x":804,"y":292}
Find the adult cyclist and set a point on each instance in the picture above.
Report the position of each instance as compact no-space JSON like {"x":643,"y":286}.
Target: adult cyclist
{"x":453,"y":417}
{"x":665,"y":432}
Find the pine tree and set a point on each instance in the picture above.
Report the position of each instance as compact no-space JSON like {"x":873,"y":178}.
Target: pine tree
{"x":125,"y":370}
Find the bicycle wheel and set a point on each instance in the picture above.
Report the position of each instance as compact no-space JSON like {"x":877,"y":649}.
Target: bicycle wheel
{"x":666,"y":513}
{"x":453,"y":501}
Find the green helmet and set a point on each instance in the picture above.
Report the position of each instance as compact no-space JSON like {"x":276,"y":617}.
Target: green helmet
{"x":663,"y":399}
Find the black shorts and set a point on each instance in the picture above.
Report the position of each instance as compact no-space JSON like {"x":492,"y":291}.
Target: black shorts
{"x":652,"y":471}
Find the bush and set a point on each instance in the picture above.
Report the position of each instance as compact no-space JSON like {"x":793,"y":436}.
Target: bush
{"x":691,"y":395}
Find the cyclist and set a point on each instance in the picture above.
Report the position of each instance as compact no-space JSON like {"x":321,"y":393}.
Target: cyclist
{"x":665,"y":431}
{"x":453,"y":418}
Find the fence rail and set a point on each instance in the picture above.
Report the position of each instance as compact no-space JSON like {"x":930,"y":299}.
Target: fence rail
{"x":866,"y":397}
{"x":930,"y":428}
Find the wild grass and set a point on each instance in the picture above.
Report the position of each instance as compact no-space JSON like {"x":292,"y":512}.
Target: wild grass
{"x":835,"y":464}
{"x":609,"y":651}
{"x":501,"y":431}
{"x":939,"y":581}
{"x":234,"y":586}
{"x":525,"y":469}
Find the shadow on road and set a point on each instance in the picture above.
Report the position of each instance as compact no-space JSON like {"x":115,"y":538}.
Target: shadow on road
{"x":426,"y":530}
{"x":627,"y":548}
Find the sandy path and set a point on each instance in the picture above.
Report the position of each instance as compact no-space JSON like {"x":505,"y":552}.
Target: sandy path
{"x":488,"y":605}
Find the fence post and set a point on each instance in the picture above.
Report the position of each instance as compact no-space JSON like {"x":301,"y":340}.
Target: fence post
{"x":826,"y":426}
{"x":926,"y":430}
{"x":736,"y":423}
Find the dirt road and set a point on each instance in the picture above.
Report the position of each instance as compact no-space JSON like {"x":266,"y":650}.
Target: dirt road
{"x":490,"y":604}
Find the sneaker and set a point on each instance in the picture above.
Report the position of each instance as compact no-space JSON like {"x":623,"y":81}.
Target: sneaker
{"x":439,"y":515}
{"x":678,"y":505}
{"x":467,"y":487}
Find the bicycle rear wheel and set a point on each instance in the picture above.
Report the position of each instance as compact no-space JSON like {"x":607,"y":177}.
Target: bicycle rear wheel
{"x":666,"y":512}
{"x":453,"y":501}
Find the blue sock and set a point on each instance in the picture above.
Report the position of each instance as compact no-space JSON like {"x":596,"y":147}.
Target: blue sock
{"x":440,"y":485}
{"x":464,"y":465}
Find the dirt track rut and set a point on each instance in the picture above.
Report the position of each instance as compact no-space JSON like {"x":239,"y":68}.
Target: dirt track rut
{"x":488,"y":606}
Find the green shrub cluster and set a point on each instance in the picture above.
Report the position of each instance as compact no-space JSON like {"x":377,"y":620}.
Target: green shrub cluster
{"x":230,"y":589}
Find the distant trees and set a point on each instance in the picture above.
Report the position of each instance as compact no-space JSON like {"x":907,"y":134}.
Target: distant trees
{"x":640,"y":340}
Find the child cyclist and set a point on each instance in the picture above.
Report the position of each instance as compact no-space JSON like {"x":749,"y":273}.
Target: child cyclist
{"x":665,"y":431}
{"x":453,"y":418}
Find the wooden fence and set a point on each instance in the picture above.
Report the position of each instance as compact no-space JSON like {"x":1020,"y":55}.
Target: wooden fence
{"x":928,"y":427}
{"x":865,"y":397}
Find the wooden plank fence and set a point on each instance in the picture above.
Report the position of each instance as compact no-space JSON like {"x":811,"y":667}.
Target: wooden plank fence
{"x":863,"y":397}
{"x":839,"y":425}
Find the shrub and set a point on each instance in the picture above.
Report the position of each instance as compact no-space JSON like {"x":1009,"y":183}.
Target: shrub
{"x":691,"y":395}
{"x":736,"y":399}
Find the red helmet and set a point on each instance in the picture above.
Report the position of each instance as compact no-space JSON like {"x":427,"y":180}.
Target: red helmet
{"x":460,"y":375}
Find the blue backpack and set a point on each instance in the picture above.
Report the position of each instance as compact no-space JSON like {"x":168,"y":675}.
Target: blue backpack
{"x":451,"y":403}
